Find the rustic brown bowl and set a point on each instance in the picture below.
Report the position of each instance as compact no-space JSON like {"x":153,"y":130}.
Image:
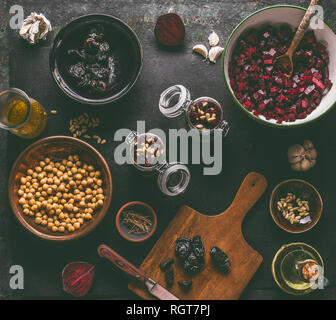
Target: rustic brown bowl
{"x":58,"y":147}
{"x":143,"y":207}
{"x":296,"y":186}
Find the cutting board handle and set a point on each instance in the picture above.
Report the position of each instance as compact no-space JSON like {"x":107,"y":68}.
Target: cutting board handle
{"x":252,"y":188}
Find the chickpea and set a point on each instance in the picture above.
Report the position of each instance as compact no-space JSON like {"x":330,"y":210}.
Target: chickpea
{"x":76,"y":225}
{"x":50,"y":225}
{"x":26,"y":211}
{"x":38,"y":169}
{"x":78,"y":176}
{"x":100,"y":203}
{"x":88,"y":216}
{"x":44,"y":222}
{"x":78,"y":163}
{"x":23,"y":180}
{"x":61,"y":229}
{"x":57,"y":223}
{"x":54,"y":229}
{"x":38,"y":220}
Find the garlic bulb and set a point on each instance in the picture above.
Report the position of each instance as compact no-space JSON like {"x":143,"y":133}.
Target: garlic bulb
{"x":201,"y":49}
{"x":302,"y":158}
{"x":35,"y":27}
{"x":213,"y":39}
{"x":214,"y":53}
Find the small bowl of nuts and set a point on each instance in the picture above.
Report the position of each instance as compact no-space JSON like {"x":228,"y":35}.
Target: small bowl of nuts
{"x":296,"y":206}
{"x":136,"y":221}
{"x":60,"y":188}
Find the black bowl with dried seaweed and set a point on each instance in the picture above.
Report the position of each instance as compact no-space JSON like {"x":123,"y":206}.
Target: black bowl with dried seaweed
{"x":96,"y":59}
{"x":136,"y":221}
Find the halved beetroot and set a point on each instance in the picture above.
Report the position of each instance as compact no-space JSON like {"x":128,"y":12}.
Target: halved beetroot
{"x":169,"y":30}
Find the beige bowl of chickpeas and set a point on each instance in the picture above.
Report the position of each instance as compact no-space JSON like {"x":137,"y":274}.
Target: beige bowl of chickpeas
{"x":60,"y":188}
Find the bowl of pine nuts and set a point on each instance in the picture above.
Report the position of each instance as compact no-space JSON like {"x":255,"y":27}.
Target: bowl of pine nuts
{"x":296,"y":205}
{"x":60,"y":188}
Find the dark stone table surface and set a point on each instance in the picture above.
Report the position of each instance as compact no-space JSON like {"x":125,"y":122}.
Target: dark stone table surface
{"x":200,"y":17}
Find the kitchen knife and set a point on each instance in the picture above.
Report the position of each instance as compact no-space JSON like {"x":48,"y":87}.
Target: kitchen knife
{"x":153,"y":287}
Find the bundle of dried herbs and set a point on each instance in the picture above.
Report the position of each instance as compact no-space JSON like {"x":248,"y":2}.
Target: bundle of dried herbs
{"x":136,"y":223}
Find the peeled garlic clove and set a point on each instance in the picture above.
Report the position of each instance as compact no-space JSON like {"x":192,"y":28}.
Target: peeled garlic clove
{"x":308,"y":145}
{"x":214,"y":53}
{"x":201,"y":49}
{"x":213,"y":39}
{"x":296,"y":151}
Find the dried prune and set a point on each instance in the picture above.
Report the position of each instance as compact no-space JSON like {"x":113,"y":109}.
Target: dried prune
{"x":169,"y":276}
{"x":183,"y":248}
{"x":185,"y":285}
{"x":198,"y":247}
{"x":166,"y":264}
{"x":190,"y":254}
{"x":193,"y":264}
{"x":220,"y":259}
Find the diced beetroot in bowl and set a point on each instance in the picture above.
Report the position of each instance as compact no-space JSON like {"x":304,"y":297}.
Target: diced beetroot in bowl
{"x":263,"y":88}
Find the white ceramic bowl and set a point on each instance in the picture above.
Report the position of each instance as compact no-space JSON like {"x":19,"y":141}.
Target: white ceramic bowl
{"x":292,"y":15}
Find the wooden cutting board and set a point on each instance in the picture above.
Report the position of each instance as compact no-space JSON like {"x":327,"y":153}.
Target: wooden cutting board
{"x":223,"y":231}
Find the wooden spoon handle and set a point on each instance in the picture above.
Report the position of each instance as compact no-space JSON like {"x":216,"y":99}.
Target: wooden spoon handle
{"x":252,"y":188}
{"x":303,"y":26}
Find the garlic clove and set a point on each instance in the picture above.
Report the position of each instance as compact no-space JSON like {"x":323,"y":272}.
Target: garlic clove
{"x":296,"y":151}
{"x":311,"y":154}
{"x":296,"y":166}
{"x":308,"y":145}
{"x":294,"y":159}
{"x":213,"y":39}
{"x":214,"y":53}
{"x":201,"y":49}
{"x":305,"y":164}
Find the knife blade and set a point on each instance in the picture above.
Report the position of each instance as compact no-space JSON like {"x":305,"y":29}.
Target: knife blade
{"x":153,"y":287}
{"x":158,"y":291}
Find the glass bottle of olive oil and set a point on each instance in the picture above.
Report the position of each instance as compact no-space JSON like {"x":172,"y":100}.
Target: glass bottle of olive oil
{"x":298,"y":268}
{"x":20,"y":114}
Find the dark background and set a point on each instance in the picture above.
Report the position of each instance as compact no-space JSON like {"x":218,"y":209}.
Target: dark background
{"x":249,"y":147}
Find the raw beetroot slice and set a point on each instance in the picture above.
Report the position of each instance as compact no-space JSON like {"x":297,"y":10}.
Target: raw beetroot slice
{"x":77,"y":278}
{"x":169,"y":30}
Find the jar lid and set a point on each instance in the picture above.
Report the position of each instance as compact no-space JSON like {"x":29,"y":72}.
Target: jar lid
{"x":173,"y":179}
{"x":174,"y":101}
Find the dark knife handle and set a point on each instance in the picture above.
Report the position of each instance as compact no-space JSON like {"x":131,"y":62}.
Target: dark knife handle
{"x":106,"y":252}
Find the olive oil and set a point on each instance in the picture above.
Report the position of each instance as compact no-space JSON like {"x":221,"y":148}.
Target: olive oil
{"x":290,"y":269}
{"x":26,"y":120}
{"x":289,"y":266}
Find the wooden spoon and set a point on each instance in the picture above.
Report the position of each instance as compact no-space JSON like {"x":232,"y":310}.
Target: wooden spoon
{"x":286,"y":60}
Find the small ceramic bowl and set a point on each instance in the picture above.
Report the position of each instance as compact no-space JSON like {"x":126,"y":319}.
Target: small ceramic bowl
{"x":141,"y":208}
{"x":276,"y":15}
{"x":125,"y":47}
{"x":305,"y":191}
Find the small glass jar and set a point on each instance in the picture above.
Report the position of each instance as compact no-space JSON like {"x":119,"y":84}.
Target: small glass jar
{"x":147,"y":155}
{"x":202,"y":113}
{"x":20,"y":114}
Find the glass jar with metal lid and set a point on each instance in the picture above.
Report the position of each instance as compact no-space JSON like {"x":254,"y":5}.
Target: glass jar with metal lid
{"x":202,"y":113}
{"x":148,"y":155}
